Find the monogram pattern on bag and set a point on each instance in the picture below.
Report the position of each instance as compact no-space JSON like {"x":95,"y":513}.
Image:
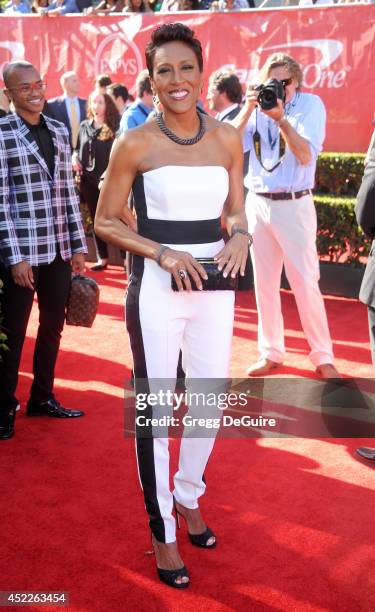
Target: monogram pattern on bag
{"x":83,"y":301}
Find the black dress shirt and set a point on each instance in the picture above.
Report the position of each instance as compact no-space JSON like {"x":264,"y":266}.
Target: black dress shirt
{"x":42,"y":136}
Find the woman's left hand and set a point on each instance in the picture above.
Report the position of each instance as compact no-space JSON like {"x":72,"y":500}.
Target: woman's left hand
{"x":233,"y":256}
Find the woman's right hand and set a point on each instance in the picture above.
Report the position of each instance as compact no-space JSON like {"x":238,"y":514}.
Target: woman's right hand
{"x":181,"y":264}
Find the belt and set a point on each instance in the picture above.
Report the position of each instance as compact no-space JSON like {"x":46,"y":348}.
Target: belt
{"x":282,"y":195}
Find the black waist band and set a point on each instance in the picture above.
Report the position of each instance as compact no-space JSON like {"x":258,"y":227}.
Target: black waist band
{"x":181,"y":232}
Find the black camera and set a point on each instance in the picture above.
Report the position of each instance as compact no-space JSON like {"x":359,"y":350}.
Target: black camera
{"x":269,"y":92}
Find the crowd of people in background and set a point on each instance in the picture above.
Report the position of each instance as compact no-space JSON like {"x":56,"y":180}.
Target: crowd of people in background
{"x":106,"y":7}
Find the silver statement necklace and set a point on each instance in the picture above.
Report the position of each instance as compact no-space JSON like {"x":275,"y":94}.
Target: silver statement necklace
{"x":177,"y":139}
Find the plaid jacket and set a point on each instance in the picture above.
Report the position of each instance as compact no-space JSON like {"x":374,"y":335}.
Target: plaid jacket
{"x":39,"y":214}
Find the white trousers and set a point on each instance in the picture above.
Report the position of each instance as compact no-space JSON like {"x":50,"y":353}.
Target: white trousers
{"x":161,"y":322}
{"x":284,"y":232}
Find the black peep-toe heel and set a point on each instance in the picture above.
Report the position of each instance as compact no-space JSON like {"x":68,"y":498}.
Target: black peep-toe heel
{"x":198,"y":539}
{"x":169,"y":577}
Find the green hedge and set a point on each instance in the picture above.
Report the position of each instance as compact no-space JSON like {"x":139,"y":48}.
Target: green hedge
{"x":338,"y":178}
{"x":339,"y":238}
{"x":339,"y":174}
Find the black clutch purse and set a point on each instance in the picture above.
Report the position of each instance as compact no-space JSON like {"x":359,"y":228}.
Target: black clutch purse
{"x":215,"y":281}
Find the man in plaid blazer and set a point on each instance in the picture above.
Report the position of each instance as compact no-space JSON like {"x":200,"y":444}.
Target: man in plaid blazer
{"x":41,"y":240}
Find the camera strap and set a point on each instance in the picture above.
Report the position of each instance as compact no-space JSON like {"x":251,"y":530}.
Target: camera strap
{"x":258,"y":147}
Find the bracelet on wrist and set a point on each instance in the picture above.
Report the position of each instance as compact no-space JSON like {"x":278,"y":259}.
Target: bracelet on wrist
{"x":159,"y":253}
{"x":240,"y":230}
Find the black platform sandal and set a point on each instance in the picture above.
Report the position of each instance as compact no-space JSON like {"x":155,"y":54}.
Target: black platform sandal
{"x":198,"y":539}
{"x":169,"y":577}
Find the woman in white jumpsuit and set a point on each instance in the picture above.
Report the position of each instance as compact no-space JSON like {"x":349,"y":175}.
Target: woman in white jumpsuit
{"x":185,"y":171}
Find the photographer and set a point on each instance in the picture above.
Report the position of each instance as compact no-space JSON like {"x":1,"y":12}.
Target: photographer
{"x":284,"y":130}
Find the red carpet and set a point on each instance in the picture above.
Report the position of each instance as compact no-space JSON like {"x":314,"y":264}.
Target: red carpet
{"x":294,"y":518}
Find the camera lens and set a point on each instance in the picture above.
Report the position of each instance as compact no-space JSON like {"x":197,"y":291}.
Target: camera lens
{"x":267,"y":99}
{"x":269,"y":93}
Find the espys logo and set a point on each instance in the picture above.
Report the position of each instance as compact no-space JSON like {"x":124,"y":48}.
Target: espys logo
{"x":315,"y":74}
{"x":117,"y":54}
{"x":15,"y":50}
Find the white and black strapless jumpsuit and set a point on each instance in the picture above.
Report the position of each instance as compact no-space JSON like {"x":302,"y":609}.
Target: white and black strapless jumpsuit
{"x":179,"y":206}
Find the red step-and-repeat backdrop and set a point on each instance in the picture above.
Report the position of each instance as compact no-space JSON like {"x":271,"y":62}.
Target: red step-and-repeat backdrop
{"x":334,"y":45}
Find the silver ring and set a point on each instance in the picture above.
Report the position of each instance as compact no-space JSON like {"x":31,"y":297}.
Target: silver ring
{"x":182,"y":274}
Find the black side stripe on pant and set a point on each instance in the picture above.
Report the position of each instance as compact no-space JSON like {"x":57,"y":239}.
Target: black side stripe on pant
{"x":145,"y":443}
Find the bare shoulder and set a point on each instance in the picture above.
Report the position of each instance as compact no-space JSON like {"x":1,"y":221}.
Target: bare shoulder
{"x":135,"y":143}
{"x":135,"y":137}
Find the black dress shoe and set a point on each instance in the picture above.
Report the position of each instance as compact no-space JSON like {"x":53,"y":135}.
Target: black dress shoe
{"x":52,"y":408}
{"x":7,"y":425}
{"x":367,"y":453}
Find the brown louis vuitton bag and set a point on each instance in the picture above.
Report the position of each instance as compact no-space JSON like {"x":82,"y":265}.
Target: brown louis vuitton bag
{"x":83,"y":301}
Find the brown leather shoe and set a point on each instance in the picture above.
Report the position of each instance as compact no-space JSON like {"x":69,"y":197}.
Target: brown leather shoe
{"x":262,"y":367}
{"x":327,"y":370}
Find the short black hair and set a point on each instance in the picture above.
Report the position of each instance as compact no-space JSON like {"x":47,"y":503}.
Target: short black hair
{"x":170,"y":32}
{"x":15,"y":66}
{"x":103,"y":80}
{"x":118,"y":91}
{"x":226,"y":81}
